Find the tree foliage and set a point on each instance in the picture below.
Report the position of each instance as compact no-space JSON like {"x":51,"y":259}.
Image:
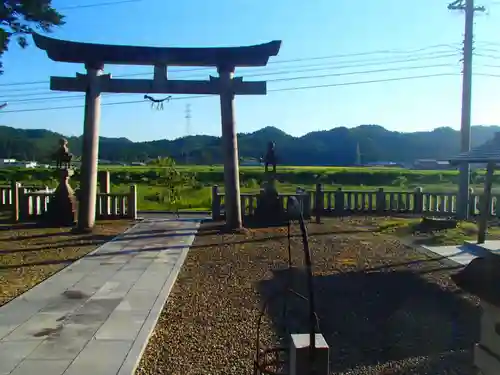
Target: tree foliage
{"x":21,"y":17}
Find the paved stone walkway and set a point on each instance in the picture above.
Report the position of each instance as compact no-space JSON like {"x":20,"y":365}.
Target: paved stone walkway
{"x":96,"y":315}
{"x":464,"y":254}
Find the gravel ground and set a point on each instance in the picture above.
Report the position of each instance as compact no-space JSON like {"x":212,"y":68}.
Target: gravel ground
{"x":30,"y":254}
{"x":383,"y":308}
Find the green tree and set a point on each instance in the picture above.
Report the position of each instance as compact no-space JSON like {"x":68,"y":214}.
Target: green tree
{"x":21,"y":17}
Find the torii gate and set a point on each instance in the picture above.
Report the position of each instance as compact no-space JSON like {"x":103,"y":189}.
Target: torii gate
{"x":95,"y":56}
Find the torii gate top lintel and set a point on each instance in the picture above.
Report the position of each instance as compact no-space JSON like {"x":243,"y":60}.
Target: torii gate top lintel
{"x":99,"y":54}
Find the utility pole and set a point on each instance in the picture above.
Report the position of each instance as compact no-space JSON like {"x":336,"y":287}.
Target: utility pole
{"x":188,"y":128}
{"x":465,"y":127}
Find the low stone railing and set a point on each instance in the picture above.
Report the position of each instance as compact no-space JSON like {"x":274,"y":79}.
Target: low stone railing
{"x":31,"y":204}
{"x":345,"y":202}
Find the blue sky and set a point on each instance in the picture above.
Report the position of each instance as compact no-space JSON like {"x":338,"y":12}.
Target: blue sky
{"x":308,"y":29}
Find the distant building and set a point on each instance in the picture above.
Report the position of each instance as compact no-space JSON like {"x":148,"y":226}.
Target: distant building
{"x":384,"y":164}
{"x":13,"y":163}
{"x":431,"y":164}
{"x":251,"y":162}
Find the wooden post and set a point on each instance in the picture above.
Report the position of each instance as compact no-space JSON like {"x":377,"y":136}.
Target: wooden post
{"x":485,"y":204}
{"x":132,"y":203}
{"x":232,"y":200}
{"x":320,"y":203}
{"x":215,"y":203}
{"x":14,"y":191}
{"x":88,"y":175}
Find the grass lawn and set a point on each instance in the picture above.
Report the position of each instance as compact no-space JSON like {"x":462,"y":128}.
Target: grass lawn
{"x":30,"y":254}
{"x":465,"y":231}
{"x":379,"y":303}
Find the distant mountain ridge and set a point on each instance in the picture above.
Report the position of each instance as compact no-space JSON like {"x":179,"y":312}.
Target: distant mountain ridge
{"x":338,"y":146}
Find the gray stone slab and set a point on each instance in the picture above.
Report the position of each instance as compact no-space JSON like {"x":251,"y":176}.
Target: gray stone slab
{"x":94,"y":312}
{"x":137,"y":264}
{"x":12,"y":353}
{"x":36,"y":328}
{"x":66,"y":344}
{"x":122,"y":325}
{"x":42,"y":367}
{"x":138,"y":301}
{"x":100,"y":357}
{"x":18,"y":311}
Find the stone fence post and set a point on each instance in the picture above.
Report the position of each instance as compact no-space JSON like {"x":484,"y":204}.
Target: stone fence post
{"x":14,"y":200}
{"x":339,"y":202}
{"x":320,"y":203}
{"x":23,"y":203}
{"x":105,"y":188}
{"x":380,"y":201}
{"x":418,"y":200}
{"x":132,"y":203}
{"x":215,"y":203}
{"x":472,"y":202}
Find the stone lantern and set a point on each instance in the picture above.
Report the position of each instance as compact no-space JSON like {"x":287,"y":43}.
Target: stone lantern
{"x":62,"y":205}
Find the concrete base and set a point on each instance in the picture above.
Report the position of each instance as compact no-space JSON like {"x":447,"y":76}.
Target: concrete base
{"x":487,"y":363}
{"x":299,"y":355}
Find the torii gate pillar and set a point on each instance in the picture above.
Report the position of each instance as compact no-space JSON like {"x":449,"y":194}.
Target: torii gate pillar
{"x":90,"y":147}
{"x":230,"y":149}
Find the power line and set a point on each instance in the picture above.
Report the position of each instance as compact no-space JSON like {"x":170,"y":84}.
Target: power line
{"x":270,"y":63}
{"x":321,"y":67}
{"x":273,"y":90}
{"x":79,"y":96}
{"x":95,"y":5}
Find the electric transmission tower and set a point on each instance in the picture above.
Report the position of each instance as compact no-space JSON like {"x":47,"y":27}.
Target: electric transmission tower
{"x":470,"y":9}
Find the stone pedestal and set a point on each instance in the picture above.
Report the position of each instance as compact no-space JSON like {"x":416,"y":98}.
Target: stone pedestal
{"x":300,"y":354}
{"x":481,"y":278}
{"x":269,"y":210}
{"x":61,"y":209}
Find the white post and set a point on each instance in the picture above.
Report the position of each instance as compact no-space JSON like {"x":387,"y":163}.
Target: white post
{"x":230,"y":150}
{"x":90,"y":150}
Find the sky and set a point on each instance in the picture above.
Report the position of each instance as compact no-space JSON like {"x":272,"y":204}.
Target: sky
{"x":337,"y":44}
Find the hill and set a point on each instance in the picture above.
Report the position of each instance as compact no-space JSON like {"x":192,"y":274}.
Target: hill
{"x":337,"y":146}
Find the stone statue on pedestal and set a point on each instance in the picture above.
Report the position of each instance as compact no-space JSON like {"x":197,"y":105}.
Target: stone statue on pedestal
{"x":62,"y":156}
{"x":270,"y":158}
{"x":269,"y":209}
{"x":62,"y":205}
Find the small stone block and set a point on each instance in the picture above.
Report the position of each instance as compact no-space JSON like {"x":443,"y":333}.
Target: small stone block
{"x":486,"y":362}
{"x":299,"y":355}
